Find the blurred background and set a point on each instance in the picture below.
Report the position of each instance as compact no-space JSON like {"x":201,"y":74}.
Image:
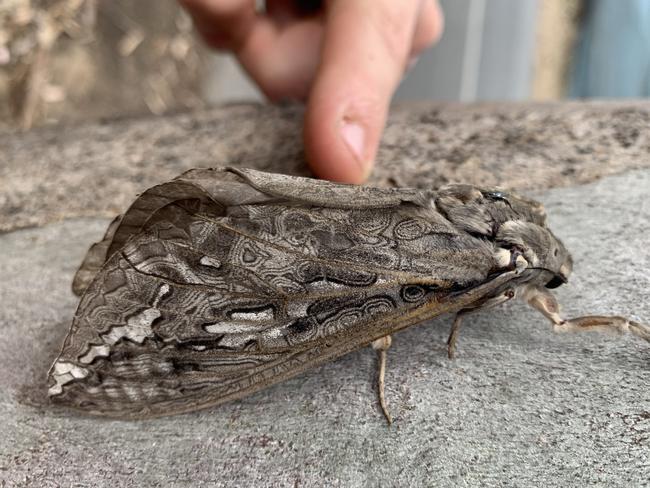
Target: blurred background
{"x":77,"y":60}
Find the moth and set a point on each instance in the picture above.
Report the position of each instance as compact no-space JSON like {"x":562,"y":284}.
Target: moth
{"x":224,"y":281}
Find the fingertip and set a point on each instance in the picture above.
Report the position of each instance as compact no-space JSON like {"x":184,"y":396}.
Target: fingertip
{"x":341,"y":138}
{"x":363,"y":57}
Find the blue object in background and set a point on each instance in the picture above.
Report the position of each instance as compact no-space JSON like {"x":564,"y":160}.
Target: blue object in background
{"x":612,"y":57}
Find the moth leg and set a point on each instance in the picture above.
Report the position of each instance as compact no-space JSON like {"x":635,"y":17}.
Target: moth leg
{"x":545,"y":302}
{"x":458,"y":320}
{"x":453,"y":334}
{"x":381,"y":345}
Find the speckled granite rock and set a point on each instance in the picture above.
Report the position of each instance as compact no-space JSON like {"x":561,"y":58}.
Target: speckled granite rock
{"x":518,"y":407}
{"x":94,"y":170}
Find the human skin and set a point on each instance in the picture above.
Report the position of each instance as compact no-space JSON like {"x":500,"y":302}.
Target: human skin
{"x":344,"y":58}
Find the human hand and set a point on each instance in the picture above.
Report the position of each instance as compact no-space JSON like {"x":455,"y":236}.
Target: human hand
{"x":345,"y":59}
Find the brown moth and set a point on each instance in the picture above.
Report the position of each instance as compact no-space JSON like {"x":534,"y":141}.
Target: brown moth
{"x":224,"y":281}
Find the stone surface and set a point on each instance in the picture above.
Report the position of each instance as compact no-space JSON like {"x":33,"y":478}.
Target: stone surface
{"x":517,"y":407}
{"x":95,"y":169}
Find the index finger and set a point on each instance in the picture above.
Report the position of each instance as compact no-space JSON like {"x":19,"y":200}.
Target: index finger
{"x":365,"y":50}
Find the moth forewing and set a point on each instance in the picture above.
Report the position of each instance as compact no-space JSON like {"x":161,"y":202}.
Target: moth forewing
{"x":222,"y":282}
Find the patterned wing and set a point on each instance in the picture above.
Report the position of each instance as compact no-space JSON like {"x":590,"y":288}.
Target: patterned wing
{"x":211,"y":298}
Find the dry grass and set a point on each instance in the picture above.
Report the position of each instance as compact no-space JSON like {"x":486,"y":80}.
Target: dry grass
{"x":68,"y":60}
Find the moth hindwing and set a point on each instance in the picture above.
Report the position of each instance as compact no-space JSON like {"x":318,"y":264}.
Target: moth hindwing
{"x":224,"y":281}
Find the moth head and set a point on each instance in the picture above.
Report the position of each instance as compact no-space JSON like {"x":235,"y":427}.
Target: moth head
{"x":539,"y":247}
{"x":508,"y":203}
{"x":481,"y":212}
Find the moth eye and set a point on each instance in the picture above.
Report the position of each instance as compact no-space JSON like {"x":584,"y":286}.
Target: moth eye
{"x":494,"y":195}
{"x":555,"y":282}
{"x":555,"y":251}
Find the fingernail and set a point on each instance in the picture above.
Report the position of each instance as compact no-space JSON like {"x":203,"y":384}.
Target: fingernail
{"x":354,"y":136}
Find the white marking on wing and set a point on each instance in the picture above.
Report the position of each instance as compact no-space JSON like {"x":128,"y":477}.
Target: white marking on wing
{"x":211,"y":262}
{"x":137,"y":328}
{"x":64,"y":372}
{"x":94,"y":352}
{"x":233,"y":327}
{"x":324,"y":285}
{"x":162,"y":291}
{"x":256,"y":316}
